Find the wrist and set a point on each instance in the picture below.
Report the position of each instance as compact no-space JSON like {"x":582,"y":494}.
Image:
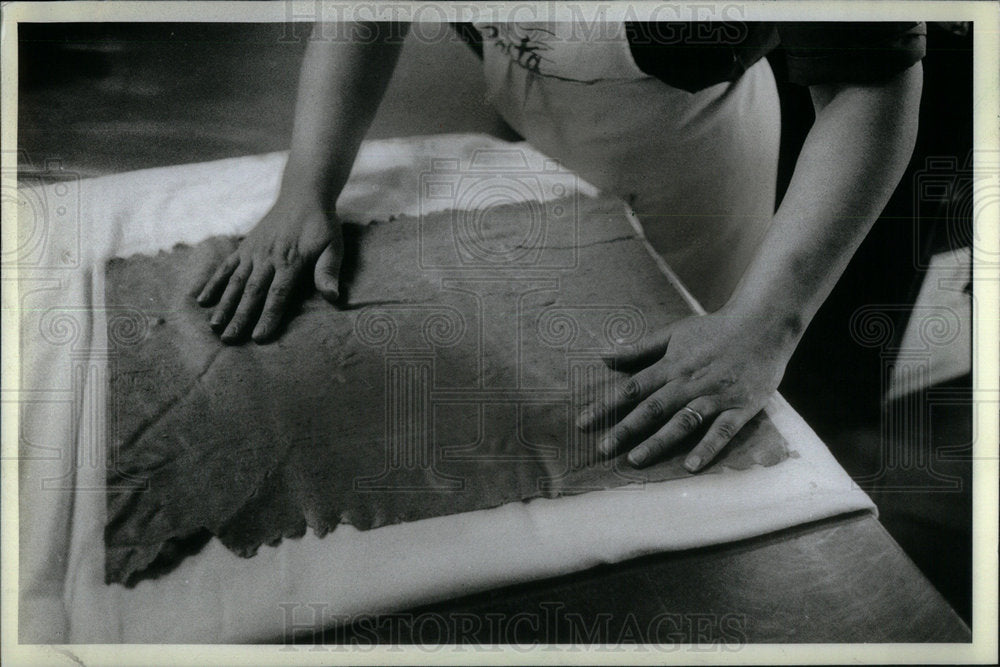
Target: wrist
{"x":310,"y":186}
{"x":781,"y":324}
{"x":298,"y":208}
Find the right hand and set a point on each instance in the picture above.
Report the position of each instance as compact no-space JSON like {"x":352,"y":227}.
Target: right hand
{"x":252,"y":287}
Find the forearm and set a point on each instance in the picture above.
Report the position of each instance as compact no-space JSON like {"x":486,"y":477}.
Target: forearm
{"x":852,"y":160}
{"x":340,"y":87}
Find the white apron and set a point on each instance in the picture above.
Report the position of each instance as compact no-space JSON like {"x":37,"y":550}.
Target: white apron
{"x":699,"y":169}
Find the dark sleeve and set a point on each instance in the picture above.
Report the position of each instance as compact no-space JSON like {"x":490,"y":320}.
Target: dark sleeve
{"x":694,"y":55}
{"x":849,"y":52}
{"x":468,"y":33}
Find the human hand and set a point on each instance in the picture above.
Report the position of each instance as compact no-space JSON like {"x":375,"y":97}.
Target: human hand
{"x":714,"y":370}
{"x":251,"y":289}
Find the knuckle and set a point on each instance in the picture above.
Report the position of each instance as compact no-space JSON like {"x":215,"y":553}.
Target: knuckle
{"x":653,"y":409}
{"x":280,"y":290}
{"x":697,"y":373}
{"x":725,"y":381}
{"x":726,"y":430}
{"x":708,"y":450}
{"x":629,"y":390}
{"x":732,"y":401}
{"x":687,"y":421}
{"x":290,"y":256}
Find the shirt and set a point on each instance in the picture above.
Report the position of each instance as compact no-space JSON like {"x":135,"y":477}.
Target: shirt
{"x":694,"y":55}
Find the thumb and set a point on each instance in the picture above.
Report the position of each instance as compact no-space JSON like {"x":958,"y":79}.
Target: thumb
{"x":326,"y":275}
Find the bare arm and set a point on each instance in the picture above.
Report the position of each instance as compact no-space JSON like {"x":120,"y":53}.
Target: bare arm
{"x":850,"y":164}
{"x":341,"y":85}
{"x":710,"y":375}
{"x":340,"y":88}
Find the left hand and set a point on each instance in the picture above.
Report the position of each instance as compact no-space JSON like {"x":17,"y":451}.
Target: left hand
{"x":715,"y":371}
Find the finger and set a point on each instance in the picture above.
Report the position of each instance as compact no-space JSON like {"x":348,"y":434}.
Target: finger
{"x":647,"y":417}
{"x":725,"y":426}
{"x":210,"y":292}
{"x":640,"y":354}
{"x":250,"y":305}
{"x":231,"y":297}
{"x":625,"y":395}
{"x":326,"y":275}
{"x":681,"y":425}
{"x":274,"y":306}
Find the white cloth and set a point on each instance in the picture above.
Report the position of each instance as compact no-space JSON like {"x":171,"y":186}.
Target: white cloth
{"x":217,"y":596}
{"x":699,"y":169}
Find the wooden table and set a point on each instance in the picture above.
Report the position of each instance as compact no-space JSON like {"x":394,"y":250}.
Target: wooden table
{"x":839,"y":580}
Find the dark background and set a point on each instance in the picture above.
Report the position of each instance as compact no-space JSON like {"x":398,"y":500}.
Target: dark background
{"x":105,"y":98}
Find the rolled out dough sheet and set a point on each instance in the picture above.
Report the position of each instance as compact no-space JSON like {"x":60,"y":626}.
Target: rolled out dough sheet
{"x":448,"y":381}
{"x":218,"y":596}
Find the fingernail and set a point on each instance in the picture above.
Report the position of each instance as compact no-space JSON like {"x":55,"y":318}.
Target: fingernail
{"x":604,"y":447}
{"x":692,"y":463}
{"x":331,"y":294}
{"x":638,"y":456}
{"x":584,"y":419}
